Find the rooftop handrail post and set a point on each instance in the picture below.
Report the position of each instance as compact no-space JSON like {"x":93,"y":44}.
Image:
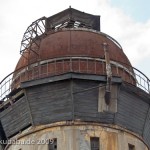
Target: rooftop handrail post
{"x":0,"y":92}
{"x":55,"y":67}
{"x":10,"y":84}
{"x":63,"y":63}
{"x":87,"y":65}
{"x":79,"y":65}
{"x":148,"y":84}
{"x":71,"y":64}
{"x":5,"y":87}
{"x":94,"y":66}
{"x":47,"y":73}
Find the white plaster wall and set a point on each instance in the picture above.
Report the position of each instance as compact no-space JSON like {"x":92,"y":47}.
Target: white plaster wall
{"x":77,"y":137}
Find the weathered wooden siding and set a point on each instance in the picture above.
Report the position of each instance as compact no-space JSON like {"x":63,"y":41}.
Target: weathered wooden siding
{"x":50,"y":102}
{"x":2,"y":137}
{"x":66,"y":100}
{"x":86,"y":102}
{"x":132,"y":111}
{"x":146,"y":129}
{"x":76,"y":99}
{"x":16,"y":117}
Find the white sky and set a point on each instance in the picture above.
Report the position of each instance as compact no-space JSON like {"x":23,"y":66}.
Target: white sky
{"x":130,"y":31}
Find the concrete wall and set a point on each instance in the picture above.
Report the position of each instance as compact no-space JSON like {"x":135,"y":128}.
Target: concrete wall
{"x":77,"y":137}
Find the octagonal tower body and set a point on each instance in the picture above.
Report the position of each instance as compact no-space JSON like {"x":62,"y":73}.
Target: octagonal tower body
{"x":73,"y":89}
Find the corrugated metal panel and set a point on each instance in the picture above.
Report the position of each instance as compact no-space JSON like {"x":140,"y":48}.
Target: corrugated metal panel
{"x":16,"y":117}
{"x":132,"y":111}
{"x":50,"y":102}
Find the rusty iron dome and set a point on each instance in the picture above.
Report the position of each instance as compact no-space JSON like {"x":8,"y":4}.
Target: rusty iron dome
{"x":61,"y":44}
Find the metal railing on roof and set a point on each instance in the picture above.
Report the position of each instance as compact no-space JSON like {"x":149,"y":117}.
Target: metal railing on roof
{"x":58,"y":66}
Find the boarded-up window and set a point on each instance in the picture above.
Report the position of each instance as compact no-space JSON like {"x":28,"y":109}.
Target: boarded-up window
{"x":112,"y":106}
{"x":52,"y":144}
{"x":131,"y":147}
{"x":94,"y":143}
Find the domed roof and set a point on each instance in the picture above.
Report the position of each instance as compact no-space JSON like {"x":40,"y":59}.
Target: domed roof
{"x":64,"y":43}
{"x":69,"y":45}
{"x":83,"y":47}
{"x":70,"y":42}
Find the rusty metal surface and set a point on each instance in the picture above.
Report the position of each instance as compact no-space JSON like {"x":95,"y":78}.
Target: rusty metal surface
{"x":74,"y":43}
{"x":59,"y":66}
{"x":69,"y":18}
{"x":32,"y":35}
{"x":70,"y":43}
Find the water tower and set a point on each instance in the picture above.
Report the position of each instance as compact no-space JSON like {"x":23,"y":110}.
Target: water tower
{"x":73,"y":88}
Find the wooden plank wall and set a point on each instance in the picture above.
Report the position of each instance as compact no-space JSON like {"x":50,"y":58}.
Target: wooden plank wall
{"x":132,"y":111}
{"x":50,"y":102}
{"x":72,"y":99}
{"x":16,"y":117}
{"x":86,"y":102}
{"x":146,"y":130}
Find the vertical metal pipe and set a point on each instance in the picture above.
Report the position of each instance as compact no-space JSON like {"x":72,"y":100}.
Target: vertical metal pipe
{"x":108,"y":73}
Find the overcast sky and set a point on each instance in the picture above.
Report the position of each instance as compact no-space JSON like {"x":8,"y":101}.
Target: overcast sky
{"x":128,"y":21}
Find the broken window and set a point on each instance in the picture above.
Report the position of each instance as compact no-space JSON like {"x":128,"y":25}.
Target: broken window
{"x":131,"y":147}
{"x":52,"y":144}
{"x":94,"y":141}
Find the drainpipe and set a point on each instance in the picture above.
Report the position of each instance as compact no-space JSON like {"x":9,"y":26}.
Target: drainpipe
{"x":108,"y":73}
